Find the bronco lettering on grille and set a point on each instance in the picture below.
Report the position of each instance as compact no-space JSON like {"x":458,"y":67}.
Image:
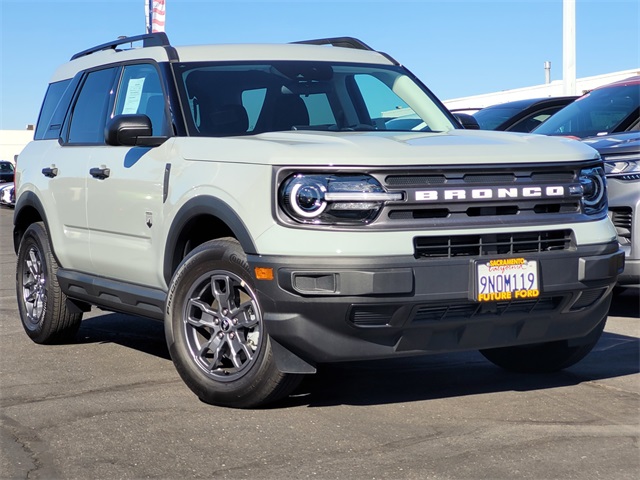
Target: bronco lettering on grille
{"x":489,"y":193}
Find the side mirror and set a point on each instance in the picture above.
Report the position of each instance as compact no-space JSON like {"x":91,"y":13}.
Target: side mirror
{"x":467,"y":121}
{"x":131,"y":130}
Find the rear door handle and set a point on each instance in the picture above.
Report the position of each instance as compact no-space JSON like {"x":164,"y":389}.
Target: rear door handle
{"x":50,"y":172}
{"x":100,"y":172}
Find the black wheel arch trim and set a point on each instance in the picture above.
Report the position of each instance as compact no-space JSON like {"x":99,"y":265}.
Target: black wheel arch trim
{"x":204,"y":205}
{"x":28,"y":199}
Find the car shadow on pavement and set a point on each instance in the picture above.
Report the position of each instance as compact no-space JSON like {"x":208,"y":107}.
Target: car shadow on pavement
{"x":403,"y":379}
{"x":137,"y":333}
{"x":454,"y":375}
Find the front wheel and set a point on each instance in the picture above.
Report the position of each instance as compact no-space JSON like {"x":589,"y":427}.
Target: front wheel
{"x":215,"y":330}
{"x":545,"y":357}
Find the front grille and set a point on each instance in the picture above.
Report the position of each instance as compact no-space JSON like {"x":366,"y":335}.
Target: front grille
{"x":622,"y":218}
{"x":470,"y":310}
{"x":492,"y":244}
{"x":472,"y":196}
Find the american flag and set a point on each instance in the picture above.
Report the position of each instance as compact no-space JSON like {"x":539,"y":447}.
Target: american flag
{"x":154,"y":13}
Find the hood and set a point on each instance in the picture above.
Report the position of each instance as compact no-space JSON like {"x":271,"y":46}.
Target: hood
{"x":618,"y":144}
{"x":456,"y":147}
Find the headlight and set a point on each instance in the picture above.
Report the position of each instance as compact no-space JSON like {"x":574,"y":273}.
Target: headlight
{"x":333,"y":199}
{"x":594,"y":190}
{"x":623,"y":167}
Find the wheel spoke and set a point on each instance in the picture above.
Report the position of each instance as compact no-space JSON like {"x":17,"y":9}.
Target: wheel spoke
{"x":237,"y":348}
{"x":214,"y":345}
{"x":222,"y":291}
{"x":33,"y":264}
{"x":205,"y":319}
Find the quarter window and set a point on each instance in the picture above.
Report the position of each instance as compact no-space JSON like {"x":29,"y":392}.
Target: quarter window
{"x":51,"y":101}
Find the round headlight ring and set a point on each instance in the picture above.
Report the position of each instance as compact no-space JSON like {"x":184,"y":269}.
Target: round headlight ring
{"x":307,"y":199}
{"x":594,"y":187}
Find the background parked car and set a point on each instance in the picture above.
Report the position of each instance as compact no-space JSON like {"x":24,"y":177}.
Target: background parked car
{"x":600,"y":118}
{"x":7,"y":194}
{"x":612,"y":108}
{"x":6,"y":171}
{"x":621,"y":153}
{"x":520,"y":115}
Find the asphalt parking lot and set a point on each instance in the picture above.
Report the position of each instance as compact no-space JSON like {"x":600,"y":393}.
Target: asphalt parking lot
{"x":111,"y":406}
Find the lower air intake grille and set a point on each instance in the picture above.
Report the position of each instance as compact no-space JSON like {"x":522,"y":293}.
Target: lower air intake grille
{"x":588,"y":298}
{"x":470,"y":310}
{"x":492,"y":244}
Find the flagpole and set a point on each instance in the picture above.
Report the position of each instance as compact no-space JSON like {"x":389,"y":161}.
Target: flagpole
{"x":147,"y":16}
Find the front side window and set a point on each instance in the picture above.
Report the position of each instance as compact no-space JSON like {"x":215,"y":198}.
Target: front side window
{"x":90,"y":111}
{"x":140,"y":92}
{"x":253,"y":98}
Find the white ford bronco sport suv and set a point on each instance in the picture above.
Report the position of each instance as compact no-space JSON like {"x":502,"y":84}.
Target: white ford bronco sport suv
{"x":253,"y":199}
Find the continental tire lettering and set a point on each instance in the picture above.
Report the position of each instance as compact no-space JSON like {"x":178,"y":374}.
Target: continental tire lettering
{"x":233,"y":258}
{"x":172,"y":291}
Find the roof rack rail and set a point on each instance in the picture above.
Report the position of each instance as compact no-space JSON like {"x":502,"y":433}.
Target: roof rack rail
{"x":158,"y":39}
{"x":345,"y":42}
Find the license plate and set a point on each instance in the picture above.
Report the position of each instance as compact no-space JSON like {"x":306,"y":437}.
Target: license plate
{"x":506,"y":279}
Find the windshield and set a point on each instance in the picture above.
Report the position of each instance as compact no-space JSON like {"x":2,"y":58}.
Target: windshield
{"x":599,"y":112}
{"x":252,"y":98}
{"x":6,"y":167}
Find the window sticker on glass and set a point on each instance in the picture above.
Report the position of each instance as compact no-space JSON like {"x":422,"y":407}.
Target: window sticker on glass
{"x":134,"y":93}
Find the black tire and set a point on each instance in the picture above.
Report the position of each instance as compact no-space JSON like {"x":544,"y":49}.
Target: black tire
{"x":42,"y":306}
{"x":215,"y":331}
{"x":545,"y":357}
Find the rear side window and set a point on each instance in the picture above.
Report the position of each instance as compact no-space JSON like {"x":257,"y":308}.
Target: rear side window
{"x":51,"y":102}
{"x":91,"y":108}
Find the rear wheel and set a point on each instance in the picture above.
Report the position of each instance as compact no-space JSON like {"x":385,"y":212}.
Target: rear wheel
{"x":43,"y":307}
{"x":545,"y":357}
{"x":215,"y":331}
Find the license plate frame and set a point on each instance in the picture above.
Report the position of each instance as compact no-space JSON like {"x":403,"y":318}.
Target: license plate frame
{"x":506,"y":279}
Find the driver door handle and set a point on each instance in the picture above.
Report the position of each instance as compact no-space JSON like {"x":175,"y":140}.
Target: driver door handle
{"x":50,"y":172}
{"x":100,"y":172}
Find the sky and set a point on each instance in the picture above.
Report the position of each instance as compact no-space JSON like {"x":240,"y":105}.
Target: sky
{"x":458,"y":48}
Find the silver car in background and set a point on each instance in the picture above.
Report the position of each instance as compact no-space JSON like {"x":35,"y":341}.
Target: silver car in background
{"x":621,"y":154}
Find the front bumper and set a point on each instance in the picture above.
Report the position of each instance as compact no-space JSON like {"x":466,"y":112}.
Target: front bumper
{"x":342,"y":309}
